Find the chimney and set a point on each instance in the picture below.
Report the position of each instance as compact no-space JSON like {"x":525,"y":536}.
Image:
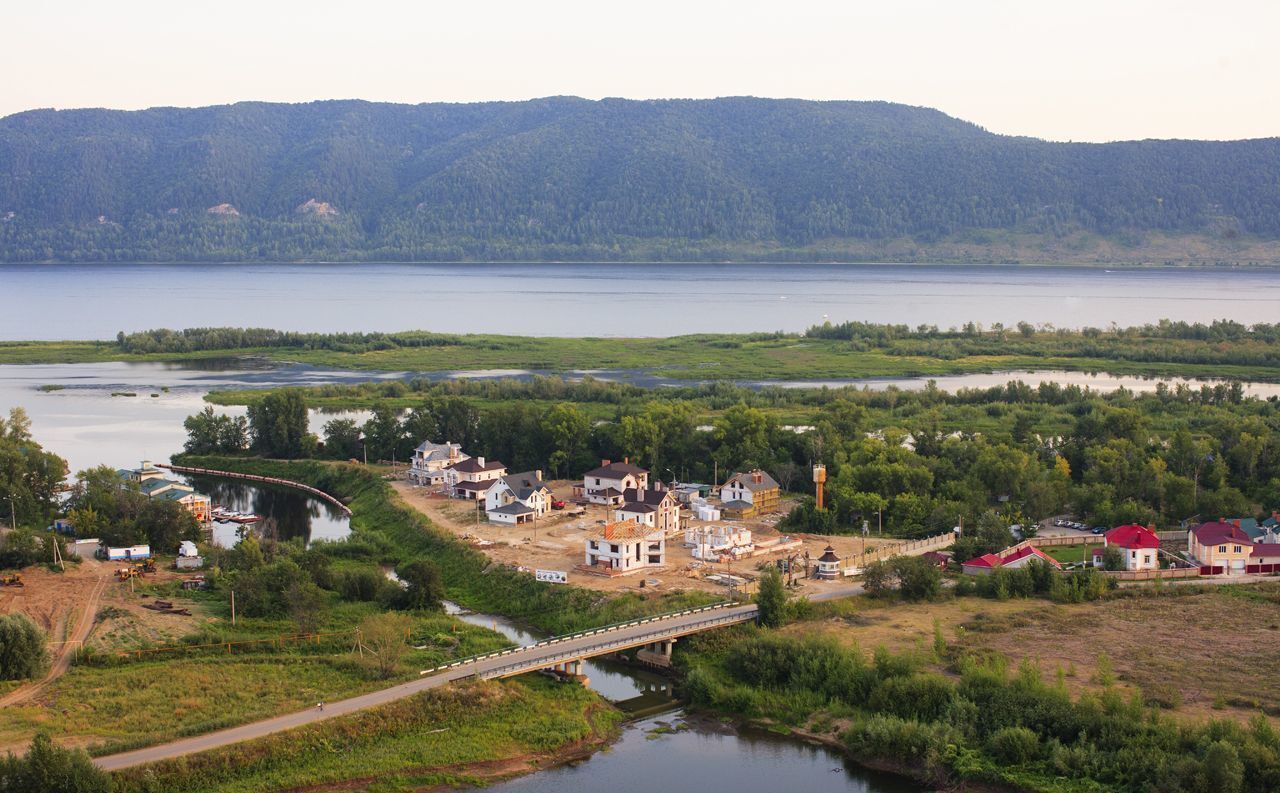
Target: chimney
{"x":480,"y":462}
{"x":605,"y":463}
{"x":538,"y":474}
{"x":758,"y":476}
{"x":626,"y":461}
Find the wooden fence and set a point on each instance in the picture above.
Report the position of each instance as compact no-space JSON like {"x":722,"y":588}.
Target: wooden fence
{"x":1152,"y":575}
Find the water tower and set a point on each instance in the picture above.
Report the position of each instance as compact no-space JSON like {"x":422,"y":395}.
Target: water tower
{"x":819,"y":479}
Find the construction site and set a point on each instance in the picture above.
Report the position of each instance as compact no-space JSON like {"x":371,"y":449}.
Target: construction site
{"x":555,"y":542}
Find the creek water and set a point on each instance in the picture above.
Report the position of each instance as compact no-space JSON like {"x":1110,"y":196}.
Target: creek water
{"x":670,"y":750}
{"x":95,"y":301}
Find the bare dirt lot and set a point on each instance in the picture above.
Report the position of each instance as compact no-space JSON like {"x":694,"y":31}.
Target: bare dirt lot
{"x":556,"y":543}
{"x":56,"y":601}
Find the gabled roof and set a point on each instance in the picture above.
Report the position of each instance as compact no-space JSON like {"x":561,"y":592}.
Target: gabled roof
{"x":1029,"y":550}
{"x":986,"y":560}
{"x":514,"y":508}
{"x":472,"y":465}
{"x":1217,"y":533}
{"x":1132,"y":537}
{"x":637,"y":507}
{"x":525,"y":484}
{"x":646,"y":496}
{"x":477,"y":486}
{"x":992,"y":560}
{"x":748,"y":480}
{"x":616,"y":471}
{"x":736,"y":504}
{"x":438,"y":451}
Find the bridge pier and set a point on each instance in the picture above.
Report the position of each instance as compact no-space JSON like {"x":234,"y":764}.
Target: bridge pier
{"x":656,"y":653}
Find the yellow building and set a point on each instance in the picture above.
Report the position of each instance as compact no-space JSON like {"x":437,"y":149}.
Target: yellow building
{"x":1219,"y":544}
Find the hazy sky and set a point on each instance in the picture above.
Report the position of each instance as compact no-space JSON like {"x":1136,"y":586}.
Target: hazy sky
{"x":1065,"y":70}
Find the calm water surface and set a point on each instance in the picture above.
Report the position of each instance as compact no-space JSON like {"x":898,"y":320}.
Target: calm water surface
{"x":707,"y":758}
{"x":95,"y":301}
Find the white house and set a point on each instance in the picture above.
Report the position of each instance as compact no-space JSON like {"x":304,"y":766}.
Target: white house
{"x":709,"y":543}
{"x":747,"y":494}
{"x":517,"y":498}
{"x":608,"y":483}
{"x":471,"y":478}
{"x":657,"y":509}
{"x":625,"y":547}
{"x":430,"y":460}
{"x":1139,"y":547}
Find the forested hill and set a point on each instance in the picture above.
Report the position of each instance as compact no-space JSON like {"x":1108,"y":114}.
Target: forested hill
{"x":567,"y":178}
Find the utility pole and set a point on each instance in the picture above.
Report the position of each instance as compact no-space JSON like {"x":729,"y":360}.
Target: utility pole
{"x":233,"y":607}
{"x":13,"y":515}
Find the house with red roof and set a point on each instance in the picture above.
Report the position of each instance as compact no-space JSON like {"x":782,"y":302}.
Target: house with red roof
{"x":1139,"y":546}
{"x":1008,"y":558}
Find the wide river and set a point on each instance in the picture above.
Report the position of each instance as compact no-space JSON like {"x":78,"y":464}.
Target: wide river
{"x":95,"y":301}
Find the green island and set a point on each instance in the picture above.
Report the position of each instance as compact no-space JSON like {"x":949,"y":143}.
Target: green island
{"x":1221,"y":350}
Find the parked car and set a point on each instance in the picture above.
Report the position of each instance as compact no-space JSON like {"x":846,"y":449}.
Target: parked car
{"x":557,"y":504}
{"x":1099,"y":529}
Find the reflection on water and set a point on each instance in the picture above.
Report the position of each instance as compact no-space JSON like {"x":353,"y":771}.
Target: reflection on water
{"x":707,"y":756}
{"x":286,"y":513}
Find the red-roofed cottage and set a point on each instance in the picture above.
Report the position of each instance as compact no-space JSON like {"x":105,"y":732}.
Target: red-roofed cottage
{"x":1140,"y":546}
{"x":1015,"y":559}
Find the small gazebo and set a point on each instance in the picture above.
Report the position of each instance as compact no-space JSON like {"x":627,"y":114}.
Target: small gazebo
{"x":828,"y":565}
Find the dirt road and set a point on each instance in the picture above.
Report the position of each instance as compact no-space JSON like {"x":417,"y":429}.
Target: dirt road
{"x":67,"y":650}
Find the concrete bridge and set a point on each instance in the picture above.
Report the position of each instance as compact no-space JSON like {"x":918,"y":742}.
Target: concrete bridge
{"x":654,"y":635}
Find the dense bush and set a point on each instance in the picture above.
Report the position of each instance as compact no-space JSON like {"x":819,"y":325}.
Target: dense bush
{"x":22,"y":649}
{"x":987,"y":727}
{"x":46,"y":768}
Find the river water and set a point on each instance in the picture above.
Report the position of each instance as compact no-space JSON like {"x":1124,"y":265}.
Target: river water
{"x":672,"y":752}
{"x":95,"y":301}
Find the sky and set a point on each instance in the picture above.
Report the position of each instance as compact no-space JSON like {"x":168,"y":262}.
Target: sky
{"x":1067,"y":70}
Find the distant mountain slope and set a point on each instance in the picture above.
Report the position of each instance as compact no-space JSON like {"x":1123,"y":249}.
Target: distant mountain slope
{"x":571,"y":178}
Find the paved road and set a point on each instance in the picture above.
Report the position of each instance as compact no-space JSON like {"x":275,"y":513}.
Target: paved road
{"x":62,"y":662}
{"x":519,"y":661}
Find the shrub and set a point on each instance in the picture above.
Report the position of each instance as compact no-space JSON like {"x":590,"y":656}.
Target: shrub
{"x":1014,"y":745}
{"x":22,"y":651}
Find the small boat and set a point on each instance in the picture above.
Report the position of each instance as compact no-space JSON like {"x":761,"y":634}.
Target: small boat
{"x":245,"y":517}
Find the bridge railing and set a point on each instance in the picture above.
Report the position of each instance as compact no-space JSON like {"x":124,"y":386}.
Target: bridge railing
{"x":597,"y":649}
{"x":578,"y":635}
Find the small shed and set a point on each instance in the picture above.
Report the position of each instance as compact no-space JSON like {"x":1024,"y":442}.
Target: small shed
{"x":129,"y":553}
{"x":828,"y":565}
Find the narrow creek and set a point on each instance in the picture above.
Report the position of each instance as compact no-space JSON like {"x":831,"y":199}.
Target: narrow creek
{"x":670,"y":749}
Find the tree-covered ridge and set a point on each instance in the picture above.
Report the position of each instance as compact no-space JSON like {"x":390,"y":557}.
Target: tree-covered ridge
{"x":566,"y":178}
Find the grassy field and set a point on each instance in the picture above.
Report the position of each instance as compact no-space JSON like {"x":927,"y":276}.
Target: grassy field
{"x":113,"y":702}
{"x":1229,"y":669}
{"x":697,"y":357}
{"x":465,"y":735}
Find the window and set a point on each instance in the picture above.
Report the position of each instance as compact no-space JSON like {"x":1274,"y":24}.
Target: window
{"x":1222,"y":549}
{"x":613,"y":549}
{"x":1237,"y":549}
